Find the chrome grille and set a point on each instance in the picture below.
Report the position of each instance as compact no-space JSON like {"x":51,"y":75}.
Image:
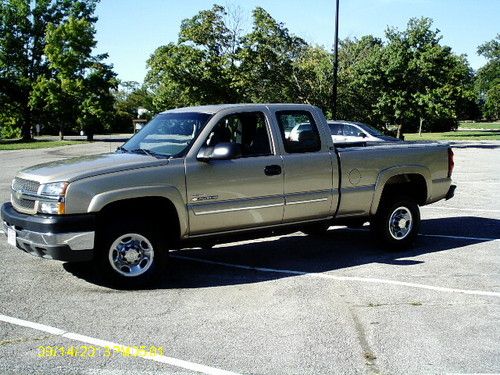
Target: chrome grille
{"x":26,"y":186}
{"x":20,"y":201}
{"x":23,"y":204}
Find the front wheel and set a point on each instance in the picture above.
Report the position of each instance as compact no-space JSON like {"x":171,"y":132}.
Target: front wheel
{"x":397,"y":222}
{"x":132,"y":256}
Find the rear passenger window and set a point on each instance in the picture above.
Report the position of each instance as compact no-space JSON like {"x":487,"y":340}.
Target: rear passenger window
{"x":299,"y":131}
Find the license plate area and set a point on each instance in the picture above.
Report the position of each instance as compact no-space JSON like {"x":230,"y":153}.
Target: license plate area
{"x":11,"y":237}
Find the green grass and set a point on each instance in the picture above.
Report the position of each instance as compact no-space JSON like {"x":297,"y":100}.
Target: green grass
{"x":21,"y":145}
{"x":479,"y":125}
{"x":490,"y":135}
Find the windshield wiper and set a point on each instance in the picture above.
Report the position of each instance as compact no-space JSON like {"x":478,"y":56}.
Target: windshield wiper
{"x":147,"y":152}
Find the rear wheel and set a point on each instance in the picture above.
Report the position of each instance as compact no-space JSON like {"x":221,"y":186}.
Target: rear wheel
{"x":132,"y":255}
{"x":397,"y":222}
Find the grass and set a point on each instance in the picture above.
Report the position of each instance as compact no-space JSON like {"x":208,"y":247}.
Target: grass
{"x":21,"y":145}
{"x":463,"y":135}
{"x":480,"y":125}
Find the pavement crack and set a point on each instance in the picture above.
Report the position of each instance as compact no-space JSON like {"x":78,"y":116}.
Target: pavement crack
{"x":6,"y":342}
{"x":368,"y":353}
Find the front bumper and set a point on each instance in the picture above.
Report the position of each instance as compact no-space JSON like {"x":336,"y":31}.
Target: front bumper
{"x":66,"y":237}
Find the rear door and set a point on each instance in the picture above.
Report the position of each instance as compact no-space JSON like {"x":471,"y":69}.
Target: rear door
{"x":310,"y":183}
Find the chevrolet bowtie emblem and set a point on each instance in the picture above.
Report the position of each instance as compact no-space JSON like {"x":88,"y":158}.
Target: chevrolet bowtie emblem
{"x":18,"y":194}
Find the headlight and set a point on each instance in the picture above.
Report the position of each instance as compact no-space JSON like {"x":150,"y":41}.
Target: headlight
{"x":52,"y":198}
{"x":55,"y":189}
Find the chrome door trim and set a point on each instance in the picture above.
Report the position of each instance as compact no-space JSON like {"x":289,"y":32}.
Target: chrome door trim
{"x":238,"y":209}
{"x":306,"y":201}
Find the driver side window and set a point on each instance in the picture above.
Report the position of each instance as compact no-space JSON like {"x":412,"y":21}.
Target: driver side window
{"x":247,"y":129}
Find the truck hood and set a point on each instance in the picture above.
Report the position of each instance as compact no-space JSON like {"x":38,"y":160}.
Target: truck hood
{"x":86,"y":166}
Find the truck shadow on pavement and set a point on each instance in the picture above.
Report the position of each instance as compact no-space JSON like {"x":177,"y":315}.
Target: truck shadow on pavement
{"x":335,"y":250}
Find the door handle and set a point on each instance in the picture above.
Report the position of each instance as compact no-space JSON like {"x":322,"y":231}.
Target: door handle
{"x":272,"y":170}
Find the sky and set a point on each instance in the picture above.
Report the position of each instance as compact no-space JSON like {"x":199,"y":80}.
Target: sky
{"x":130,"y":30}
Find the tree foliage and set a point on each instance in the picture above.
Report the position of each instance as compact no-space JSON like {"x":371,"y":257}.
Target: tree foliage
{"x":409,"y":78}
{"x":47,"y":73}
{"x":488,"y":79}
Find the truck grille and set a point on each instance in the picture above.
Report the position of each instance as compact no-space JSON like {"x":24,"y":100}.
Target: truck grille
{"x":21,"y":203}
{"x":26,"y":186}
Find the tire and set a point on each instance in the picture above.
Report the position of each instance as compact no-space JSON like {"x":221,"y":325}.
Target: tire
{"x":317,"y":229}
{"x":131,"y":255}
{"x":397,"y":222}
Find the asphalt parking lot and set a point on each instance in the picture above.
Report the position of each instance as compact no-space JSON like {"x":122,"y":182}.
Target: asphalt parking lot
{"x":295,"y":304}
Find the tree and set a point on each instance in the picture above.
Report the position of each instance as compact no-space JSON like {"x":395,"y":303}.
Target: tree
{"x":359,"y":78}
{"x":488,"y":79}
{"x":26,"y":71}
{"x":267,"y":56}
{"x":313,"y":77}
{"x":422,"y":81}
{"x":77,"y":90}
{"x":199,"y":68}
{"x":129,"y":97}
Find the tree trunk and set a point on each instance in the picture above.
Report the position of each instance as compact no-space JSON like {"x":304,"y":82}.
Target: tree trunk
{"x":90,"y":137}
{"x":400,"y":132}
{"x":420,"y":126}
{"x":61,"y":133}
{"x":26,"y":132}
{"x":26,"y":128}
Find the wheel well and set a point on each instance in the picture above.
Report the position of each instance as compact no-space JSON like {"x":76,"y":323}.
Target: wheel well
{"x":165,"y":214}
{"x":410,"y":185}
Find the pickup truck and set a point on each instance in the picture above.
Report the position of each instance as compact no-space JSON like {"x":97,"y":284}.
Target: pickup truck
{"x":203,"y":173}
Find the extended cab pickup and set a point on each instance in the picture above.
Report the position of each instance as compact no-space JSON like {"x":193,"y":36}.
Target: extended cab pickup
{"x":201,"y":173}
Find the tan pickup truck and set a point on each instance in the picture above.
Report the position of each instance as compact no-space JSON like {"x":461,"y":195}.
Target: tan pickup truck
{"x":203,"y":173}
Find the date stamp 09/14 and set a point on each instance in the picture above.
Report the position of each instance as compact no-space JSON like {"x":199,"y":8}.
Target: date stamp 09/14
{"x":91,"y":351}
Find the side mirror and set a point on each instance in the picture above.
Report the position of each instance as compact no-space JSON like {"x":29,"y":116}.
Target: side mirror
{"x":221,"y":151}
{"x":362,"y":135}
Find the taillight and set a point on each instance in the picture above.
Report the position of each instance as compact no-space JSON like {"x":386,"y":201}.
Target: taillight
{"x":451,"y":163}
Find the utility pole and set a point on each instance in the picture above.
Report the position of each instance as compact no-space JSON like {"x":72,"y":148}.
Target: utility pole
{"x":335,"y":61}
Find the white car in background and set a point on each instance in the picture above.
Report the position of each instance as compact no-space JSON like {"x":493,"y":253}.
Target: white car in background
{"x":349,"y":131}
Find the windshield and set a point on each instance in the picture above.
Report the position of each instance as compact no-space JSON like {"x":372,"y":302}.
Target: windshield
{"x":370,"y":130}
{"x":168,"y":134}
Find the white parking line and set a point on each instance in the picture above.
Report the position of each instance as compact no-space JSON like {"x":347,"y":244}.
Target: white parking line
{"x":459,"y":209}
{"x":344,"y":278}
{"x":117,"y":347}
{"x":460,"y":237}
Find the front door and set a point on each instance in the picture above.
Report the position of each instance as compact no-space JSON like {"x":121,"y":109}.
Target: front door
{"x":242,"y":192}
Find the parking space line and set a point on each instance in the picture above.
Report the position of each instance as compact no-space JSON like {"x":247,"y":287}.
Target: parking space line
{"x":117,"y":347}
{"x":459,"y":209}
{"x":460,"y":237}
{"x":343,"y":278}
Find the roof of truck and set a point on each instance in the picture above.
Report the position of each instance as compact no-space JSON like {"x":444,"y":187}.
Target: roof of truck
{"x":219,"y":107}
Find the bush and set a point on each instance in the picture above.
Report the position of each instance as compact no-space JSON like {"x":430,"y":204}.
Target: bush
{"x":9,"y":132}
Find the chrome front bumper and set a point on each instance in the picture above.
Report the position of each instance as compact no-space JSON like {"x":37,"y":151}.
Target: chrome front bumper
{"x":65,"y":237}
{"x":75,"y":241}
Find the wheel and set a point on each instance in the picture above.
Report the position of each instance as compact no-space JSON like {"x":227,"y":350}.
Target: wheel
{"x":132,"y":255}
{"x":315,"y":229}
{"x":397,"y":222}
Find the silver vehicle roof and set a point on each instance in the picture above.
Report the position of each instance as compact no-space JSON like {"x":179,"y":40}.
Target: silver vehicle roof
{"x":211,"y":109}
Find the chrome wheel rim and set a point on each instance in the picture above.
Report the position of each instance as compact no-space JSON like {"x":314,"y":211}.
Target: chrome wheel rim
{"x":400,"y":223}
{"x":131,"y":255}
